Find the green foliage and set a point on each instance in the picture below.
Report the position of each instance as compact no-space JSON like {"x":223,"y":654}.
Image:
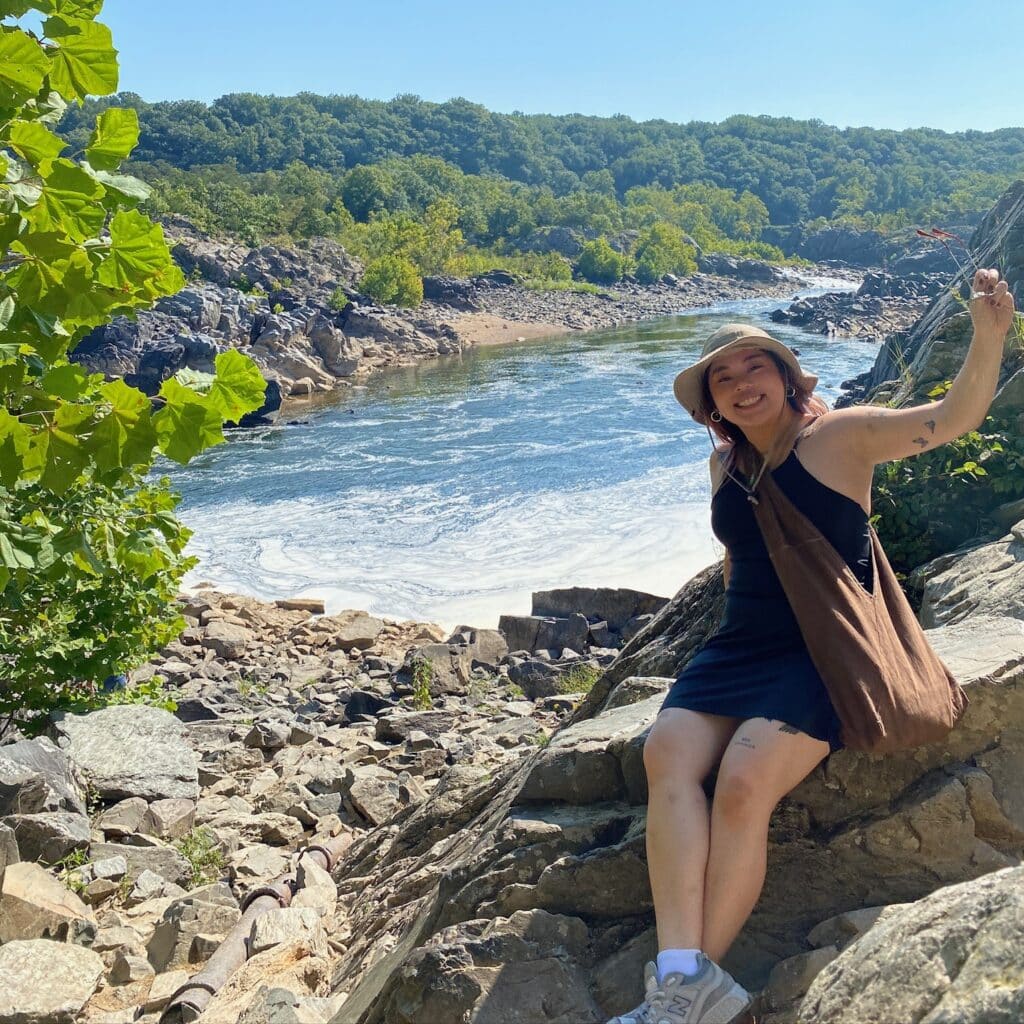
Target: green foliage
{"x":579,"y":679}
{"x":392,"y":279}
{"x":338,"y":300}
{"x":422,"y":677}
{"x":150,"y":692}
{"x":934,"y":502}
{"x":90,"y":554}
{"x":68,"y":869}
{"x":199,"y":847}
{"x":106,"y":563}
{"x":796,"y":170}
{"x":662,"y":249}
{"x":600,"y":263}
{"x":249,"y":686}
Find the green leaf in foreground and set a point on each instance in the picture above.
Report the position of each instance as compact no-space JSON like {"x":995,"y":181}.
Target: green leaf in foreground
{"x":139,"y":262}
{"x":114,"y":137}
{"x":238,"y":388}
{"x":23,"y":64}
{"x":85,"y":62}
{"x":186,"y":424}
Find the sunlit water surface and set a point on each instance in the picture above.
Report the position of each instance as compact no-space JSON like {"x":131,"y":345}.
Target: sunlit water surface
{"x":449,"y":491}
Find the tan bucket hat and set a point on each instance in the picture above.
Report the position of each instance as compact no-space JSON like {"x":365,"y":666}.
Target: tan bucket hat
{"x":689,"y":383}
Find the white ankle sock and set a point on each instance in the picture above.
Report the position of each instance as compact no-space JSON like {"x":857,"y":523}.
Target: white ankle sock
{"x":683,"y":961}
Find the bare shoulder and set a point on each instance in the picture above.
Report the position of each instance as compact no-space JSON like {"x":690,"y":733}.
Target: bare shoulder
{"x":836,"y":430}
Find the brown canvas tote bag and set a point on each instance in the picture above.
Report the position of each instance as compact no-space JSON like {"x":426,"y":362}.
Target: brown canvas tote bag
{"x":889,"y":688}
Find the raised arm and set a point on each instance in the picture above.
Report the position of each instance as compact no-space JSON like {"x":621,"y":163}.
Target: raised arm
{"x":878,"y":435}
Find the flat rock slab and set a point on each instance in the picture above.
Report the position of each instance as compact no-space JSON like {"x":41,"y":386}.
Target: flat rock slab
{"x":132,"y":750}
{"x":46,"y":982}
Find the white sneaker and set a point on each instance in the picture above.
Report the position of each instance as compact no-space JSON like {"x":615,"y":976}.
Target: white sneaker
{"x":711,"y":996}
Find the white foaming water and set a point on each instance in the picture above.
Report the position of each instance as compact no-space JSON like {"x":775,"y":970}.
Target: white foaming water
{"x":448,"y":492}
{"x":467,"y":566}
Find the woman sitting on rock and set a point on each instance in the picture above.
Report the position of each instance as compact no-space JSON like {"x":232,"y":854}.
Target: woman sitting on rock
{"x":751,"y":700}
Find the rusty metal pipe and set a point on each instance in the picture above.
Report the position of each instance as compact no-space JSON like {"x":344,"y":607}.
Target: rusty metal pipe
{"x":192,"y":998}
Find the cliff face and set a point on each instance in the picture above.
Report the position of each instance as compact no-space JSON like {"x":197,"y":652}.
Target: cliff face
{"x":911,"y":363}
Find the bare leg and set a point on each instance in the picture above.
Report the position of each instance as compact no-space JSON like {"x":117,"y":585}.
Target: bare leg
{"x":765,"y":760}
{"x":679,"y":753}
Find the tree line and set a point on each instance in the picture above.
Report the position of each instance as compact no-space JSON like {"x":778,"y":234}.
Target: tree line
{"x":800,"y":170}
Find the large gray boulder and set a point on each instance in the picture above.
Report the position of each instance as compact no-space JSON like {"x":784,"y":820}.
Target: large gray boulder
{"x":131,"y":750}
{"x":46,"y":982}
{"x":614,"y":605}
{"x":36,"y":777}
{"x":953,"y":956}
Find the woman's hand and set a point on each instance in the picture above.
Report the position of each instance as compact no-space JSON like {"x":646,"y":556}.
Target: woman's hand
{"x":991,"y":305}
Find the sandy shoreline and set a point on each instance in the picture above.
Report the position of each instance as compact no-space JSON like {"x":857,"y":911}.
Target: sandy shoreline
{"x":481,"y":329}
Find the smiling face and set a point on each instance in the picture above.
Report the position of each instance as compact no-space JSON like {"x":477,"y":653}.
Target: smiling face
{"x":747,"y":387}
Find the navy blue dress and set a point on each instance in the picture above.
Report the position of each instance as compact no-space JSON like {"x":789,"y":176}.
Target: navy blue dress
{"x":756,"y":665}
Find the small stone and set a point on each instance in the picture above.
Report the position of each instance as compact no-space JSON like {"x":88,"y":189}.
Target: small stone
{"x":258,"y":862}
{"x":8,"y":849}
{"x":316,"y":887}
{"x":300,"y":735}
{"x":203,"y":947}
{"x":301,"y":604}
{"x":268,"y":735}
{"x":98,"y":890}
{"x":791,"y":978}
{"x":171,"y":943}
{"x":110,"y":867}
{"x":128,"y":968}
{"x":148,"y":886}
{"x":124,"y":818}
{"x":172,"y":818}
{"x":164,"y":986}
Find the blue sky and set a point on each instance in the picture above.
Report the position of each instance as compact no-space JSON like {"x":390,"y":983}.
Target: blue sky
{"x":889,"y":65}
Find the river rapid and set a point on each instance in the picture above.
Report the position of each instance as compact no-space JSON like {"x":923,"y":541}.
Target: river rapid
{"x":449,"y":491}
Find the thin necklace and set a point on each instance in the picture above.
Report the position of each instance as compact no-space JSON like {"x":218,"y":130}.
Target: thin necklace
{"x":751,"y":488}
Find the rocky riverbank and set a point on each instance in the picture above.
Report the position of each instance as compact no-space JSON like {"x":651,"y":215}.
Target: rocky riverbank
{"x":357,"y":821}
{"x":883,"y":303}
{"x":298,"y":313}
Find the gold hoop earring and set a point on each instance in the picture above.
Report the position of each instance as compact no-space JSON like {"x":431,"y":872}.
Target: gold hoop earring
{"x":716,"y":416}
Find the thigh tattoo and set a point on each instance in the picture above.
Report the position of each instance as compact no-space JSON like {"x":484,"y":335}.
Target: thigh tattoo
{"x":786,"y":727}
{"x":745,"y":741}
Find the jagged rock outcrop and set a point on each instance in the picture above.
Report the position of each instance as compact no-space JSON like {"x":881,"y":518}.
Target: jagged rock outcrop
{"x":911,"y":363}
{"x":745,"y":269}
{"x":881,"y":304}
{"x":296,"y":311}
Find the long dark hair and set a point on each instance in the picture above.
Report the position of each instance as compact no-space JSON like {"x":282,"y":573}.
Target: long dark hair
{"x":802,"y":400}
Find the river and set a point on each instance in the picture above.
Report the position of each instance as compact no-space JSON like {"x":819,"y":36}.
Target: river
{"x":448,"y":491}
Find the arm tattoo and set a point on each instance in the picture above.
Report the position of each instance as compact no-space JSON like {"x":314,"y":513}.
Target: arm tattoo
{"x":921,"y":441}
{"x":930,"y":424}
